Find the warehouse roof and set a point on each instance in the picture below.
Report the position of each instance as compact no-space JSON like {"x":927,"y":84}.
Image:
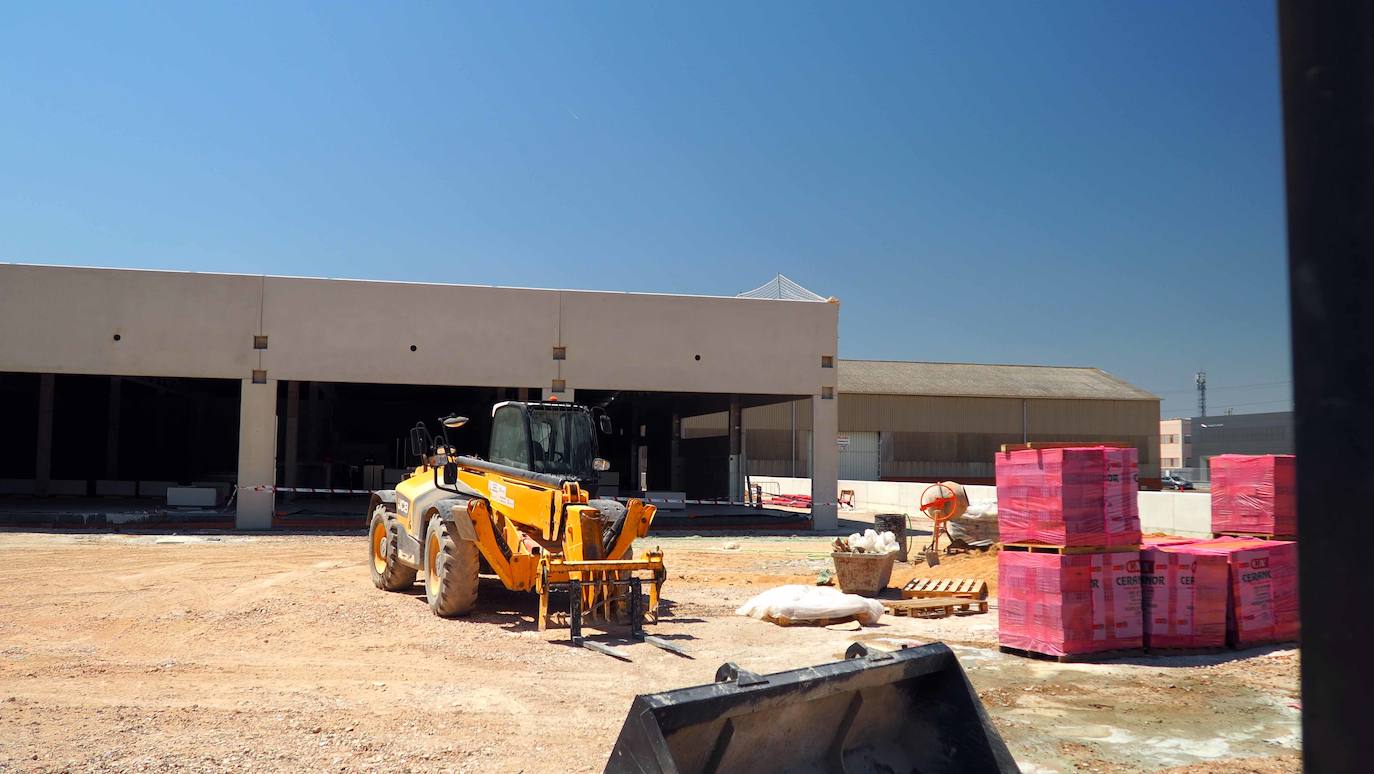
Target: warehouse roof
{"x":900,"y":377}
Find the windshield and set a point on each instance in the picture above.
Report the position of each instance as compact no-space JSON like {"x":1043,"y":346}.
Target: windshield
{"x":562,"y":442}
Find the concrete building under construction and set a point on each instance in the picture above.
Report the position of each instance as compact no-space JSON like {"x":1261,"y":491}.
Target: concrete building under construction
{"x":125,"y":383}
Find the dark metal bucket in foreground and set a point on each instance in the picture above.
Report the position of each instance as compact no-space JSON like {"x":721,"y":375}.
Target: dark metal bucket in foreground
{"x":910,"y":710}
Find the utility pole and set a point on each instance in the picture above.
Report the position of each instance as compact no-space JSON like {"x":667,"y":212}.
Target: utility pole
{"x":1202,"y":393}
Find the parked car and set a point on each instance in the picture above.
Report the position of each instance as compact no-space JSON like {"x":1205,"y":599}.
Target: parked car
{"x":1171,"y":481}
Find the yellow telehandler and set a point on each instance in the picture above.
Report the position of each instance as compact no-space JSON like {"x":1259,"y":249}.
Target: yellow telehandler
{"x":527,"y":513}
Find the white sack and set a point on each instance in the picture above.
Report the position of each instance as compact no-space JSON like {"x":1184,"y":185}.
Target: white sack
{"x":789,"y":604}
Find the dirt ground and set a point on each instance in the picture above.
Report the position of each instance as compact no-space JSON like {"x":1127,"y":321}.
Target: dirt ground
{"x":275,"y":653}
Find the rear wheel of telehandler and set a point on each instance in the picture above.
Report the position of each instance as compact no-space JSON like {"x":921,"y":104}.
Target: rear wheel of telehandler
{"x":450,"y":570}
{"x":388,"y":573}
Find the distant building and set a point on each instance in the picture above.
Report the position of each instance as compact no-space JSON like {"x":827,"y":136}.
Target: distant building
{"x":918,"y":421}
{"x":1268,"y":433}
{"x":1192,"y":442}
{"x":1176,"y":444}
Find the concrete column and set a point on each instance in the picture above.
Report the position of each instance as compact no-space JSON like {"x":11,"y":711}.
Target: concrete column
{"x":825,"y":464}
{"x":112,"y":429}
{"x":257,"y":454}
{"x":736,"y":424}
{"x":43,"y":461}
{"x":293,"y":432}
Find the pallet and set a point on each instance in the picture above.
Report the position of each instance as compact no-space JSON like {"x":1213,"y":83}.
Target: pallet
{"x":935,"y":607}
{"x":1011,"y":447}
{"x":964,"y":588}
{"x":1253,"y":535}
{"x":1044,"y":548}
{"x":1074,"y":658}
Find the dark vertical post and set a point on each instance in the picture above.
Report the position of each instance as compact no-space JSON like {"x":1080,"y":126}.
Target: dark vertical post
{"x":43,"y":459}
{"x":290,"y":475}
{"x":1328,"y":101}
{"x":736,"y":450}
{"x":675,"y":452}
{"x":112,"y":428}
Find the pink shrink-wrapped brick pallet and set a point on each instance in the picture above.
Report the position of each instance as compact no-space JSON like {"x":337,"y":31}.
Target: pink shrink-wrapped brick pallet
{"x":1255,"y":493}
{"x":1184,"y":595}
{"x":1063,"y":605}
{"x":1076,"y":496}
{"x":1263,"y":606}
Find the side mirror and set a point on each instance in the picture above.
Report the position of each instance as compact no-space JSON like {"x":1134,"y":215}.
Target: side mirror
{"x":450,"y":473}
{"x":419,"y":440}
{"x":603,"y":421}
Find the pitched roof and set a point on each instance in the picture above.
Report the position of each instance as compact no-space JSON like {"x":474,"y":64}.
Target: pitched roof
{"x":781,"y":288}
{"x":898,"y":377}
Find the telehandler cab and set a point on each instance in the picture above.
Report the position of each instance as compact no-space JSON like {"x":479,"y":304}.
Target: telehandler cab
{"x":528,"y":513}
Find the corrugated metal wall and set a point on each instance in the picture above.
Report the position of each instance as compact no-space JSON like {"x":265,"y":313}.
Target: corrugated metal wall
{"x":924,"y":437}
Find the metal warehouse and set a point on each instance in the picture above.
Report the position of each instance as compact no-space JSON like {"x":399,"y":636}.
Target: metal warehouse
{"x":913,"y":421}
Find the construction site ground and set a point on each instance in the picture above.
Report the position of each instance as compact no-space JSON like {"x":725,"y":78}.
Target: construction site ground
{"x":159,"y":652}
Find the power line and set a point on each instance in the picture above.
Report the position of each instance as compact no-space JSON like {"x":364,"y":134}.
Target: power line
{"x":1226,"y":387}
{"x":1251,"y":403}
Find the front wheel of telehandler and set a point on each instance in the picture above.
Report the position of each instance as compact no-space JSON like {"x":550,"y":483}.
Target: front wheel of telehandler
{"x":388,"y":573}
{"x":450,"y":570}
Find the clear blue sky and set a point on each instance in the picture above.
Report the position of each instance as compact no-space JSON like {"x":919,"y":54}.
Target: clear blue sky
{"x":1059,"y":183}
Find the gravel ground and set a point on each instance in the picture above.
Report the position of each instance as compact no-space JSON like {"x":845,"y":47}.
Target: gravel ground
{"x":232,"y":653}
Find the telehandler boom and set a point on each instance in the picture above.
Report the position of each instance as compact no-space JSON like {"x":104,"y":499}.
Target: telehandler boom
{"x":527,"y":513}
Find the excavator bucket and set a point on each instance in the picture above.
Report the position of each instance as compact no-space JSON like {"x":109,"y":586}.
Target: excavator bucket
{"x":911,"y":710}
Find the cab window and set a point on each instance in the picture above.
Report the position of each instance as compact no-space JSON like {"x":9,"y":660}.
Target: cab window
{"x":509,"y":444}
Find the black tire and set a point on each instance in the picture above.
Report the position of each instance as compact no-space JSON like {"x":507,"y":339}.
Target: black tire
{"x":388,"y":572}
{"x":451,"y":565}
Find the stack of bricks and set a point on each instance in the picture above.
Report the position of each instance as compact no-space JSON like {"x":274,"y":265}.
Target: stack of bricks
{"x":1069,"y":572}
{"x":1255,"y":495}
{"x":1184,"y":595}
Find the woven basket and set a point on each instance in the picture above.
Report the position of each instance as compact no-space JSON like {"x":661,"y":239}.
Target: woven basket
{"x":863,"y":574}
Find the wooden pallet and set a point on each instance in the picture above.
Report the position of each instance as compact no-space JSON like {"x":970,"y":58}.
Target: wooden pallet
{"x":1074,"y":658}
{"x":1044,"y":548}
{"x":1011,"y":447}
{"x":965,"y":588}
{"x":1253,"y":535}
{"x":934,"y":607}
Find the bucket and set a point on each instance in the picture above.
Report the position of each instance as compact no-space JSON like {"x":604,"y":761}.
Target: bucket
{"x":896,"y":524}
{"x":908,"y":710}
{"x":863,"y":574}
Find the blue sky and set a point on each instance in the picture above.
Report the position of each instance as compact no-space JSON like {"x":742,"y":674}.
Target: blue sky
{"x":1057,"y":183}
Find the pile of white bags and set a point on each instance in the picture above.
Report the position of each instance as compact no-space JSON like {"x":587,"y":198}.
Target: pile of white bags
{"x":870,"y":542}
{"x":800,"y":604}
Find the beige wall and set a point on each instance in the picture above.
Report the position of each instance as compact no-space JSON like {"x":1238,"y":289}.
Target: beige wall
{"x":62,"y":320}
